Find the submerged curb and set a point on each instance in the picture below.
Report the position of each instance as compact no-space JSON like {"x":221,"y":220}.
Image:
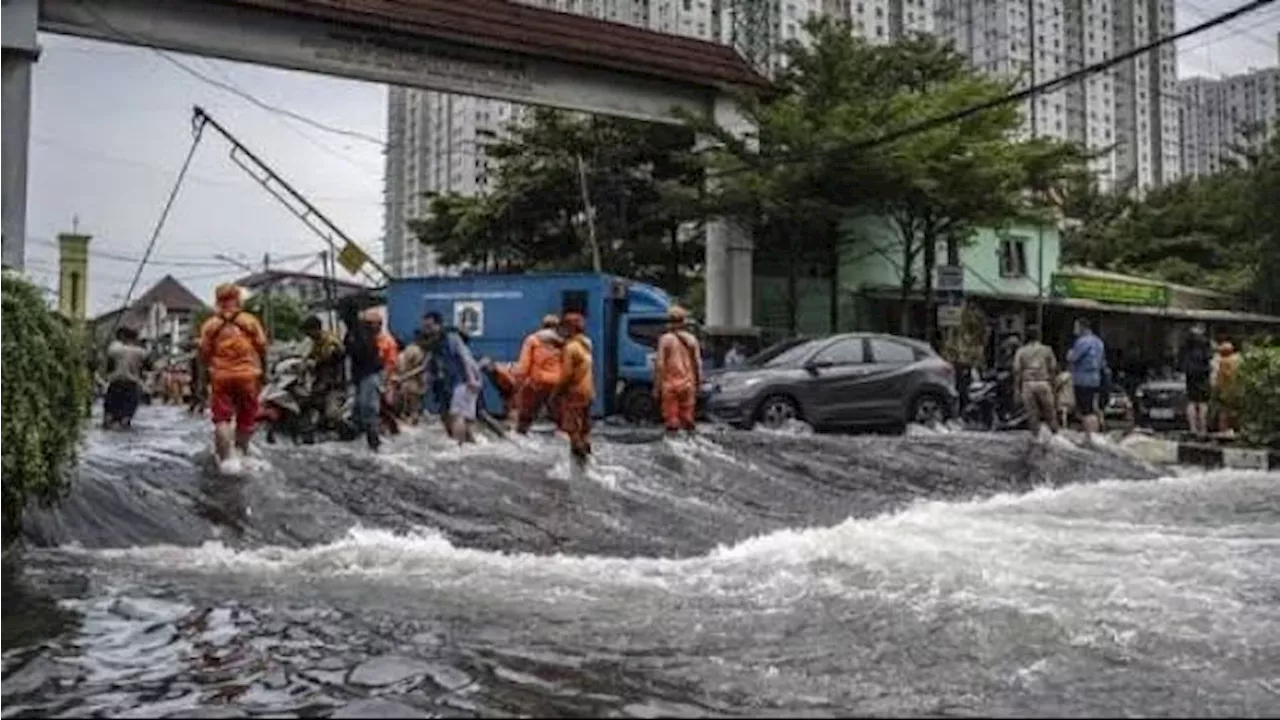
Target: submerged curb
{"x":1203,"y":454}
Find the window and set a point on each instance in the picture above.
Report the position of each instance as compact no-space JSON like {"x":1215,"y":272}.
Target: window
{"x":891,"y":353}
{"x":1013,"y":257}
{"x":646,"y":331}
{"x":843,"y":352}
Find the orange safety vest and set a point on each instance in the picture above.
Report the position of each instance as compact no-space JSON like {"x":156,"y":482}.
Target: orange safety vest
{"x":577,"y":380}
{"x":233,"y":346}
{"x":540,"y":358}
{"x":678,"y":360}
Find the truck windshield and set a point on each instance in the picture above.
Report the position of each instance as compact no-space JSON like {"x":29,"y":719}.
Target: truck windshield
{"x":646,"y":331}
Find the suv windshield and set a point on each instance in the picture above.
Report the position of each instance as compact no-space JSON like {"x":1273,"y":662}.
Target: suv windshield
{"x":789,"y":356}
{"x":764,"y":356}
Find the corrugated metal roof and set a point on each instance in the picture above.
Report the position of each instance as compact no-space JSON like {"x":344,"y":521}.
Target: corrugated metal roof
{"x":537,"y":32}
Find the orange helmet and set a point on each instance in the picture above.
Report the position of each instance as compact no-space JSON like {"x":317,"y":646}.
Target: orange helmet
{"x":574,"y":322}
{"x":677,"y":315}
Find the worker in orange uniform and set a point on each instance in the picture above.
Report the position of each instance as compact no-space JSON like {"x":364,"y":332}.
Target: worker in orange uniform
{"x":538,"y":371}
{"x":233,"y":347}
{"x":389,"y":355}
{"x":677,"y":373}
{"x":576,"y":389}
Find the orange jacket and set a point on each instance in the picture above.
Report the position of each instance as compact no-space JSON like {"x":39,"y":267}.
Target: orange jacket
{"x":678,"y":363}
{"x":540,"y":358}
{"x":576,"y":379}
{"x":389,"y":354}
{"x":233,"y":346}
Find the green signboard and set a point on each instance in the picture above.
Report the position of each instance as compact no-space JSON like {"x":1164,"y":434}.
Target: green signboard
{"x":1117,"y":292}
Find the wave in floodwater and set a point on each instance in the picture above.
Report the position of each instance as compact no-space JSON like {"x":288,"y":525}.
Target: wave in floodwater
{"x":733,"y":575}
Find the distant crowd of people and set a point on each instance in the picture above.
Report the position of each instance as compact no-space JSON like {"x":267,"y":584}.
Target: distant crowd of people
{"x":1085,"y":386}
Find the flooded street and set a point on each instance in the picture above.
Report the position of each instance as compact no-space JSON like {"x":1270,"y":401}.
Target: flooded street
{"x":738,"y":574}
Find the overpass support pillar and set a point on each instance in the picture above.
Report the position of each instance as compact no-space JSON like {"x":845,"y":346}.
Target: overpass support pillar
{"x":20,"y":51}
{"x":729,"y":252}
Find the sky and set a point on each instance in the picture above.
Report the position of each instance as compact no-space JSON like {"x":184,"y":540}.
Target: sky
{"x":111,"y":125}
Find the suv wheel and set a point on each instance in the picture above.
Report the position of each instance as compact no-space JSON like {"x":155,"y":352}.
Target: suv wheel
{"x":776,"y":411}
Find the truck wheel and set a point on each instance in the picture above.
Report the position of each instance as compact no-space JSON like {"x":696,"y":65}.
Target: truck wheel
{"x":638,"y":405}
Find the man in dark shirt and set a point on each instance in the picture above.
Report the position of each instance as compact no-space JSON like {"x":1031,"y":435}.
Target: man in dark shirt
{"x":366,"y":371}
{"x":1194,"y":360}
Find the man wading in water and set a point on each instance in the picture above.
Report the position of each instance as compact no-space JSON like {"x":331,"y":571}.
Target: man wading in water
{"x":126,"y":360}
{"x":233,"y":346}
{"x":1034,"y":368}
{"x":677,"y":374}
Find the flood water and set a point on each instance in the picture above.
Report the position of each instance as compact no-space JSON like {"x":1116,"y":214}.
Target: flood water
{"x":740,"y":574}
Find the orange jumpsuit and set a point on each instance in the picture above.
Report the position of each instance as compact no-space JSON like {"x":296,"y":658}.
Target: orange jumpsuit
{"x":577,"y":391}
{"x":232,"y":347}
{"x":539,"y":371}
{"x":390,"y":356}
{"x":677,"y":374}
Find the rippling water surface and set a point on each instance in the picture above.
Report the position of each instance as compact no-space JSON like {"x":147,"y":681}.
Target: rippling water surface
{"x":738,"y":574}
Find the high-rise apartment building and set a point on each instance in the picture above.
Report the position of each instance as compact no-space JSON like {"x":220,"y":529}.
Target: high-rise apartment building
{"x":1148,"y":149}
{"x":1131,"y":111}
{"x":436,"y":141}
{"x":1221,"y":116}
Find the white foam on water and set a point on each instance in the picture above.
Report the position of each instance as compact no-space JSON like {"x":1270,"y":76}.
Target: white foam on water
{"x":1051,"y":548}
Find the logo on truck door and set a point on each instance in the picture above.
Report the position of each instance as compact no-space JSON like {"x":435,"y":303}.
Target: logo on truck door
{"x":468,"y":316}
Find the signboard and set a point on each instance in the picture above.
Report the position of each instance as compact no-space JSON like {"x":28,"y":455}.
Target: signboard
{"x":352,"y":258}
{"x":468,"y":316}
{"x":1106,"y":290}
{"x":950,"y":279}
{"x":950,"y":316}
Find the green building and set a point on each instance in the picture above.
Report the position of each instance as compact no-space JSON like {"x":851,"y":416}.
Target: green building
{"x":1011,"y":268}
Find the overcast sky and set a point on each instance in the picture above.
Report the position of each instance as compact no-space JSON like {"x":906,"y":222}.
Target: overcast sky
{"x":111,"y":125}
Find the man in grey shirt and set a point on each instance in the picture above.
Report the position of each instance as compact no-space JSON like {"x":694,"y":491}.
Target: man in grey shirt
{"x":1034,"y":368}
{"x":126,"y":361}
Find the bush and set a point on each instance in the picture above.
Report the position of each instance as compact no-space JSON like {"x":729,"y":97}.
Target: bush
{"x":1259,"y":395}
{"x":44,"y":391}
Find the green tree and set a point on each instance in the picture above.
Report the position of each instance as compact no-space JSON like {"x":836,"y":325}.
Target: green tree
{"x":641,"y":180}
{"x":811,"y":164}
{"x":45,"y":389}
{"x":799,"y":175}
{"x":285,"y":317}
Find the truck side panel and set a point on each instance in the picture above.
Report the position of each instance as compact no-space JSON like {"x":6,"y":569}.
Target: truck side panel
{"x":499,"y":311}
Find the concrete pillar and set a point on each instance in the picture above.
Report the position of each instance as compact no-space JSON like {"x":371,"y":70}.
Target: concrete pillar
{"x":729,"y":252}
{"x":18,"y":26}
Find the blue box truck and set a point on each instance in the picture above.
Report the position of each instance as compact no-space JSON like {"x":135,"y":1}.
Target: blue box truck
{"x":624,"y":321}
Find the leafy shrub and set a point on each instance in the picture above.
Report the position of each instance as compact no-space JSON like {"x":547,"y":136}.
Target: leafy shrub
{"x":1259,"y":395}
{"x":45,"y":390}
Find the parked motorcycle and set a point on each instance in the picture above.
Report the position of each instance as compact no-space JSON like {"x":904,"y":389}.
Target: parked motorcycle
{"x":992,"y":405}
{"x":288,"y":408}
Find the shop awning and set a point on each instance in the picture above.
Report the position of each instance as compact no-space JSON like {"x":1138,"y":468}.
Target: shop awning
{"x":1172,"y":313}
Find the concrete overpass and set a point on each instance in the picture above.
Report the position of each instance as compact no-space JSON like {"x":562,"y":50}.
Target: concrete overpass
{"x":487,"y":48}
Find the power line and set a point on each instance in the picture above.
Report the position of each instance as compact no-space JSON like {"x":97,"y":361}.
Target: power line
{"x":201,"y":179}
{"x":130,"y":37}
